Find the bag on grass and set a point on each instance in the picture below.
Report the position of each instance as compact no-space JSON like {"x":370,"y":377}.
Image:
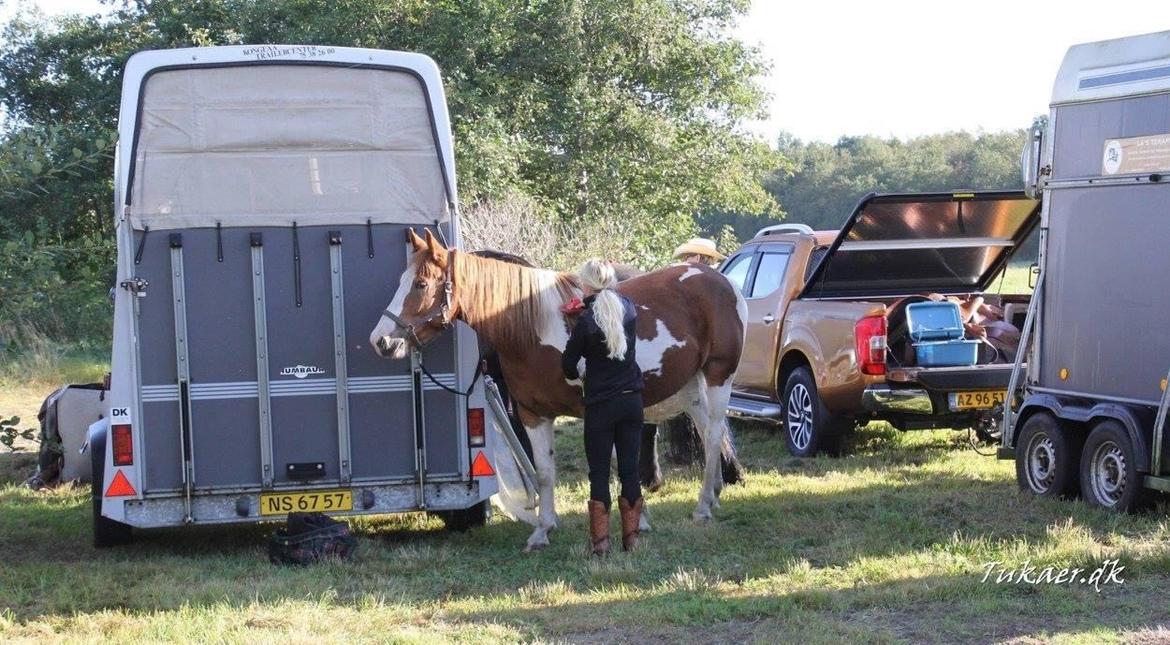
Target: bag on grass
{"x":309,"y":538}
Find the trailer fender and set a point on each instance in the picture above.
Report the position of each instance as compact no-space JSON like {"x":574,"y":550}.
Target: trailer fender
{"x":95,"y":447}
{"x":1133,"y":419}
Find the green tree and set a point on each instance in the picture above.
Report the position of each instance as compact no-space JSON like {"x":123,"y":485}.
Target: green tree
{"x":597,"y":110}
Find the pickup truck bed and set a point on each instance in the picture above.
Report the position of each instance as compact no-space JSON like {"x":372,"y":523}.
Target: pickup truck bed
{"x":827,"y":343}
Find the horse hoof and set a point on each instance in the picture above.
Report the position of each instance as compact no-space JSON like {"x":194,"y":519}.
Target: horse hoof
{"x":701,"y":517}
{"x":533,"y":548}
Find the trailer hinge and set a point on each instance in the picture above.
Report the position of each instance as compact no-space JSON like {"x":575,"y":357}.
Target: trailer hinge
{"x":136,"y":286}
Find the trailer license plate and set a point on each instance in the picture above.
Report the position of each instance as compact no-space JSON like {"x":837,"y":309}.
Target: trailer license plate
{"x":977,"y":400}
{"x":320,"y":501}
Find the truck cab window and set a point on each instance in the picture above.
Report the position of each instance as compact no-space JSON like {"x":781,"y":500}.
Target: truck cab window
{"x":770,"y":274}
{"x":736,"y":270}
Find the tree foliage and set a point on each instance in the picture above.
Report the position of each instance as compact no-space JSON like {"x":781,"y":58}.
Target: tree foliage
{"x":597,"y":111}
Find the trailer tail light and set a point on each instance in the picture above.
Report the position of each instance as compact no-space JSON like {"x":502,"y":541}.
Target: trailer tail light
{"x":123,"y":445}
{"x":476,"y":431}
{"x":870,"y":336}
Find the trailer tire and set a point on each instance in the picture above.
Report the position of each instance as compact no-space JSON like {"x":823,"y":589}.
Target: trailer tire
{"x":106,"y":532}
{"x":808,"y":426}
{"x":1109,"y":475}
{"x":466,"y":519}
{"x":1046,"y":457}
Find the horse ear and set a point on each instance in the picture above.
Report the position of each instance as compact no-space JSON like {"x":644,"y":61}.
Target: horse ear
{"x":438,"y":252}
{"x":415,"y":241}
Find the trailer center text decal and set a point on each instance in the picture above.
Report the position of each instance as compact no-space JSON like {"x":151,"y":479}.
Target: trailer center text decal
{"x":1136,"y":155}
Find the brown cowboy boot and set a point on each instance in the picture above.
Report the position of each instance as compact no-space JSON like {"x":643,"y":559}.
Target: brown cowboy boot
{"x":598,"y":527}
{"x":631,"y":516}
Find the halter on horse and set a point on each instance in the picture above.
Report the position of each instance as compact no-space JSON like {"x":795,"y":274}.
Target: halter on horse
{"x":690,"y":336}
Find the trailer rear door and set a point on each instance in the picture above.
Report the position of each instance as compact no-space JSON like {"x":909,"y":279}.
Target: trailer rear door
{"x":269,"y":203}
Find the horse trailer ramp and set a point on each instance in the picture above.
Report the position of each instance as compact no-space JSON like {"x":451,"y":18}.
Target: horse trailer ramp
{"x":263,"y":195}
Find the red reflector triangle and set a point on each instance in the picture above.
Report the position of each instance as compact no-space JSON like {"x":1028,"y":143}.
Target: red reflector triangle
{"x":120,"y":487}
{"x":481,"y":467}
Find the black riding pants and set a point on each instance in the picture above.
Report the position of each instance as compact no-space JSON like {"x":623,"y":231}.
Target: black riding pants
{"x":615,"y":423}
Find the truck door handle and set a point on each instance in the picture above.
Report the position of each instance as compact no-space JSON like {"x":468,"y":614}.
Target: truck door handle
{"x":769,"y":319}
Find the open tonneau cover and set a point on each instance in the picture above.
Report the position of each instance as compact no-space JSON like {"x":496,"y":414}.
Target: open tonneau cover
{"x":898,"y":244}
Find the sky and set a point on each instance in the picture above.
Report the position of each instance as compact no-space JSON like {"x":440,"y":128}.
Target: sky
{"x":901,"y":68}
{"x":905,"y":68}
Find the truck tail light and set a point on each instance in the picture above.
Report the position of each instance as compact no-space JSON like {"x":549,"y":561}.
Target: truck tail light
{"x":870,"y":336}
{"x":123,"y":445}
{"x":475,"y":427}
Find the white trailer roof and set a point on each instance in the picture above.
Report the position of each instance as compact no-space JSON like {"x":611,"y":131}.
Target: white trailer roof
{"x":273,"y":134}
{"x":1114,"y":68}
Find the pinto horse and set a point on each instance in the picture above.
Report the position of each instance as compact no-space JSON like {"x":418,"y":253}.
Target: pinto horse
{"x":690,"y":334}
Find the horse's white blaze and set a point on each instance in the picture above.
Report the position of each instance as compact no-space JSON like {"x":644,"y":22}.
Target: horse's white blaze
{"x":387,"y":328}
{"x":691,"y":272}
{"x":650,"y":351}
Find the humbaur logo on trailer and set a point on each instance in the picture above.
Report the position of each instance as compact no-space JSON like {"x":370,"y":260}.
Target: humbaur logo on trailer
{"x":301,"y":371}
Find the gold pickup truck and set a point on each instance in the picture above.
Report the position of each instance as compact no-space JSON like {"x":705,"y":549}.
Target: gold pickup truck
{"x":828,"y":346}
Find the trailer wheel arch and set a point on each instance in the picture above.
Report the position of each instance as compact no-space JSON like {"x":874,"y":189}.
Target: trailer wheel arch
{"x":1131,"y":420}
{"x":1083,"y":418}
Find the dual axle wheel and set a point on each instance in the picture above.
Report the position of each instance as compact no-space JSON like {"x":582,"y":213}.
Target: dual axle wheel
{"x":1053,"y":460}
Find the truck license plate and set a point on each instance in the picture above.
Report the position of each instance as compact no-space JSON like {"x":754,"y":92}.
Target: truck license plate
{"x":977,"y":400}
{"x":318,"y":501}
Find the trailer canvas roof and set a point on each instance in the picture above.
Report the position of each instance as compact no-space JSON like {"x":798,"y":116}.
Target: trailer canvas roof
{"x":264,"y":136}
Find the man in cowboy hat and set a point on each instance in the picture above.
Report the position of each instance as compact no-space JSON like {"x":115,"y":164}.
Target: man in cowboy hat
{"x":698,"y":250}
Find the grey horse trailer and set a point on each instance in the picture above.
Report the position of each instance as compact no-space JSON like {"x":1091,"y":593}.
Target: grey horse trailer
{"x":1092,"y":400}
{"x":262,"y":198}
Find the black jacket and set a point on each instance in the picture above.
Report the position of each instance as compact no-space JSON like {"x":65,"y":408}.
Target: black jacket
{"x":604,"y":377}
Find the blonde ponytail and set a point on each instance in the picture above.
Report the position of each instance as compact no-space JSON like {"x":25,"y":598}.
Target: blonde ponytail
{"x":608,"y":313}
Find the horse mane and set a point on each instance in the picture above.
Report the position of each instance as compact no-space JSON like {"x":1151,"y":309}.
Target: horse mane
{"x":509,"y":303}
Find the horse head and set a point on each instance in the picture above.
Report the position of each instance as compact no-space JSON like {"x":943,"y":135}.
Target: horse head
{"x":424,"y":305}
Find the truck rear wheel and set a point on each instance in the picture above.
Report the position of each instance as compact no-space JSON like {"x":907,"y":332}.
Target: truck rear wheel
{"x":1109,"y":477}
{"x":106,"y":532}
{"x":465,"y":519}
{"x":1046,"y":457}
{"x":809,"y":428}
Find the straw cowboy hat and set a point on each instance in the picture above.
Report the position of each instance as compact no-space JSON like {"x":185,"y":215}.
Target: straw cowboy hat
{"x":698,"y":246}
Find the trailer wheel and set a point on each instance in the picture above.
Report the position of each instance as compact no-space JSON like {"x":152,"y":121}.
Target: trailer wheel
{"x":808,"y":425}
{"x":467,"y":518}
{"x":106,"y":532}
{"x":1109,"y":478}
{"x":1046,"y":457}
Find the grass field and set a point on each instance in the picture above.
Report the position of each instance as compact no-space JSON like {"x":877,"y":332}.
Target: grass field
{"x":886,"y":545}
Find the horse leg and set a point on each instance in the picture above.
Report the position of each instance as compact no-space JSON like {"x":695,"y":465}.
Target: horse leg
{"x":710,"y":430}
{"x":541,"y":435}
{"x":719,"y":433}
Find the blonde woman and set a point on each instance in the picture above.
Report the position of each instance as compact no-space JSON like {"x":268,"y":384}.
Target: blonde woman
{"x":604,"y":337}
